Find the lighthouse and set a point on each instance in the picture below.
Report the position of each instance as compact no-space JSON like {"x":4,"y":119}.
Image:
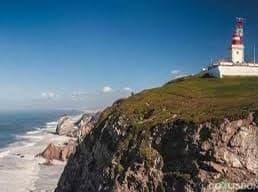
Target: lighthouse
{"x":237,"y":47}
{"x":235,"y":64}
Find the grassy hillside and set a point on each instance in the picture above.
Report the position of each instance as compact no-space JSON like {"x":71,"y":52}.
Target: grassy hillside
{"x":157,"y":133}
{"x":193,"y":98}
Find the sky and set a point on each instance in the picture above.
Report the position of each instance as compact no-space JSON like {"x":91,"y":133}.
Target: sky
{"x":58,"y":54}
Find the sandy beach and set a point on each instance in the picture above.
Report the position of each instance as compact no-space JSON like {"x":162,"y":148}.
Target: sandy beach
{"x":22,"y":171}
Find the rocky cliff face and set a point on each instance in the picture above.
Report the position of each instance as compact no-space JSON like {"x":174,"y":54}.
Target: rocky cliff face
{"x":174,"y":155}
{"x":172,"y":138}
{"x":76,"y":126}
{"x":58,"y":152}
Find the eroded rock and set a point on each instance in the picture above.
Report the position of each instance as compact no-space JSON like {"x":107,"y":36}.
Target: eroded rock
{"x":170,"y":156}
{"x":77,"y":126}
{"x":59,"y":152}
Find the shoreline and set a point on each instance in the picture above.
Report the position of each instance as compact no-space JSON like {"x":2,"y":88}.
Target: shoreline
{"x":22,"y":171}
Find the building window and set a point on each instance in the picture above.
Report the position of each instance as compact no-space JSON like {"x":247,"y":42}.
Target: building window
{"x":237,"y":52}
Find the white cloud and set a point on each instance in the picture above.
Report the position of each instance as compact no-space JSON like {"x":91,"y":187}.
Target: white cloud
{"x":128,"y":89}
{"x":79,"y":94}
{"x":51,"y":94}
{"x":106,"y":89}
{"x":43,"y":94}
{"x":48,"y":95}
{"x":175,"y":72}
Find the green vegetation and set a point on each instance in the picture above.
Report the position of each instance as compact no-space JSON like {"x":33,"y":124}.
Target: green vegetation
{"x":194,"y":98}
{"x":182,"y":175}
{"x":150,"y":154}
{"x":119,"y":168}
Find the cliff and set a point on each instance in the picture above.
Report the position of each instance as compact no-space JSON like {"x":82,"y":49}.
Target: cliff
{"x":75,"y":127}
{"x":187,"y":135}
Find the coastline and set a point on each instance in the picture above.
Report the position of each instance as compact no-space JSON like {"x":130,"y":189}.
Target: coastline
{"x":22,"y":171}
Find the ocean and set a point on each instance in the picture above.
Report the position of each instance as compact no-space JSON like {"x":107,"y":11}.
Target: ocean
{"x":23,"y":135}
{"x":13,"y":124}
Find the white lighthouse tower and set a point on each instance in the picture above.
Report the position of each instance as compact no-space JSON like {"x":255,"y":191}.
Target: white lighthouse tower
{"x":237,"y":47}
{"x":235,"y":65}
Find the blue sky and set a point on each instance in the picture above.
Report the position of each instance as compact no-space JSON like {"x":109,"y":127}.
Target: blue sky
{"x":85,"y":54}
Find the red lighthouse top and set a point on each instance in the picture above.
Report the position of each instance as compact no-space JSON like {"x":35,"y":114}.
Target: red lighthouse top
{"x":236,"y":39}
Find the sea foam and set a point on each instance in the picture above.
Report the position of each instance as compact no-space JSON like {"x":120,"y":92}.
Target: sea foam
{"x":4,"y":153}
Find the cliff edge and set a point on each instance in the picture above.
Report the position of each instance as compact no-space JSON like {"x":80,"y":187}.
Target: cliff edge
{"x":188,"y":135}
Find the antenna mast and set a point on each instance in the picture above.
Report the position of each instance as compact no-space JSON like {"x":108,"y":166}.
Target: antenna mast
{"x":240,"y":27}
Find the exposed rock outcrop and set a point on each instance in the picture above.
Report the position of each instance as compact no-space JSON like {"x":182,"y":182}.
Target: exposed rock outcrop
{"x":172,"y":138}
{"x":86,"y":123}
{"x":174,"y":155}
{"x":76,"y":126}
{"x":59,"y":152}
{"x":66,"y":126}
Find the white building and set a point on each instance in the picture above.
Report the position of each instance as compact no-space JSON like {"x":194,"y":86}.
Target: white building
{"x":236,"y":64}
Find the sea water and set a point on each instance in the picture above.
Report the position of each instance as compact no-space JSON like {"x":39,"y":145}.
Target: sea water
{"x":23,"y":135}
{"x":16,"y":123}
